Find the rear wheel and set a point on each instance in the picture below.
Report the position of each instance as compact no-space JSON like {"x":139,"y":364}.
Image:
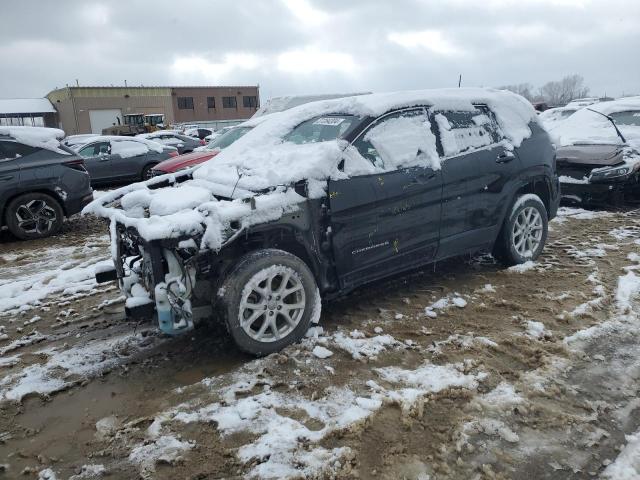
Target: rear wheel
{"x":147,"y":171}
{"x":34,"y":215}
{"x":269,"y":300}
{"x":524,"y":231}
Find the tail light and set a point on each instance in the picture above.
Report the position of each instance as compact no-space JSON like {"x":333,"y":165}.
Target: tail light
{"x":202,"y":141}
{"x":77,"y":164}
{"x":173,"y":153}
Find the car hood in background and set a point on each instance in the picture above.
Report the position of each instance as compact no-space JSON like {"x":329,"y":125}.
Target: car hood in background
{"x":598,"y":155}
{"x":188,"y":159}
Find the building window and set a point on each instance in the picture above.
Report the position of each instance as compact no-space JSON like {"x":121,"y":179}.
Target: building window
{"x":229,"y":102}
{"x":250,"y":101}
{"x":185,"y":103}
{"x":211,"y":102}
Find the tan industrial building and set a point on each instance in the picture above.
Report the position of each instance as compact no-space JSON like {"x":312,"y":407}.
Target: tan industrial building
{"x":90,"y":109}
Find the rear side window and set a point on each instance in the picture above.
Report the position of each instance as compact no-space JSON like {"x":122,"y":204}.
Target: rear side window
{"x":10,"y":150}
{"x":464,"y":131}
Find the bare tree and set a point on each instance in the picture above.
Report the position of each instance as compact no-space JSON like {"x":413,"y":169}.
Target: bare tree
{"x":563,"y":91}
{"x":523,"y":89}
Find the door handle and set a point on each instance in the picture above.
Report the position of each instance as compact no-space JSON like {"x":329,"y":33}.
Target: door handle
{"x":6,"y":178}
{"x":505,"y":157}
{"x":103,"y":159}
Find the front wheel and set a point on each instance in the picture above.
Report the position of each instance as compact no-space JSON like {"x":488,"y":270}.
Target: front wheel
{"x":147,"y":172}
{"x":34,"y":215}
{"x":269,"y":300}
{"x":524,"y":231}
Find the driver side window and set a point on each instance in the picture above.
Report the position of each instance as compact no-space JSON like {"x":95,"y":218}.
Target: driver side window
{"x":95,"y":150}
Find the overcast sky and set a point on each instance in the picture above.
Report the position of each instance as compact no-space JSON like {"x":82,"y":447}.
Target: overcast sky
{"x":318,"y":46}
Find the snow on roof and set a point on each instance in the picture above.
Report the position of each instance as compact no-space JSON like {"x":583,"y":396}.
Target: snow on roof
{"x":155,"y":146}
{"x":280,"y":104}
{"x":38,"y":137}
{"x":264,"y":160}
{"x":585,"y":126}
{"x":25,"y":105}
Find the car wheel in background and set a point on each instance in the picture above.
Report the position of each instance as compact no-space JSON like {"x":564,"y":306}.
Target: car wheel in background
{"x":269,"y":300}
{"x":524,"y":232}
{"x":34,"y":215}
{"x":147,"y":171}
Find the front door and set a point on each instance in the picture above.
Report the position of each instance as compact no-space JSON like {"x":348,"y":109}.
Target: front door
{"x":97,"y":159}
{"x":389,"y":221}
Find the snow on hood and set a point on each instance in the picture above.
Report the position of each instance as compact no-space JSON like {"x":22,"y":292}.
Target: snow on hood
{"x":585,"y":126}
{"x":261,"y":160}
{"x":38,"y":137}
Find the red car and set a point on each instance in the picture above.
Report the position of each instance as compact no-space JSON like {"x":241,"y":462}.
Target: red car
{"x":187,"y":160}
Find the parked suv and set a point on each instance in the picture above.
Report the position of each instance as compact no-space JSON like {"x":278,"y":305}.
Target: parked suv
{"x":41,"y":181}
{"x":326,"y":197}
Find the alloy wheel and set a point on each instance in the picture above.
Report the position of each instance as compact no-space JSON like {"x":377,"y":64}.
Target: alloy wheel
{"x":527,"y":232}
{"x":36,"y":216}
{"x":272,"y":304}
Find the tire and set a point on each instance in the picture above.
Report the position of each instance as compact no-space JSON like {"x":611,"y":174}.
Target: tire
{"x":147,"y":173}
{"x":264,"y":270}
{"x":524,"y":231}
{"x":34,"y":215}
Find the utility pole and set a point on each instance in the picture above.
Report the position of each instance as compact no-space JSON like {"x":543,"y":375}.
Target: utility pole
{"x":459,"y":80}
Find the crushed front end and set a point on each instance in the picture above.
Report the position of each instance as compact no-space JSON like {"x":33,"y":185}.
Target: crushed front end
{"x":157,"y":277}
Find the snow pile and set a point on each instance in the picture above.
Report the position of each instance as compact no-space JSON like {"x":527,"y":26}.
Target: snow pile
{"x":166,"y":449}
{"x":321,"y":352}
{"x":627,"y":465}
{"x":580,"y":214}
{"x":32,"y":288}
{"x":63,"y":368}
{"x":361,"y":348}
{"x":445,"y":303}
{"x":38,"y":137}
{"x":536,"y":330}
{"x":462,"y":342}
{"x":523,"y":267}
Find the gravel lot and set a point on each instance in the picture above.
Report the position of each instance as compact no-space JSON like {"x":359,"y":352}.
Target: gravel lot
{"x":461,"y":371}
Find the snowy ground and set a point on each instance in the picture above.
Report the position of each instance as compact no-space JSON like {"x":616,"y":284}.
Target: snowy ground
{"x":468,"y":372}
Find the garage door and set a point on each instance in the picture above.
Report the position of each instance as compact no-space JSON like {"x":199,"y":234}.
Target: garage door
{"x":104,"y":118}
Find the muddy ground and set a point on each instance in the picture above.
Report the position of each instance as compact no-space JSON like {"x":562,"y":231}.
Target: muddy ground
{"x":461,"y":371}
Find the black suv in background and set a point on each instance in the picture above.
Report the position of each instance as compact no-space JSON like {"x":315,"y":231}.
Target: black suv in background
{"x":326,"y":197}
{"x":41,"y":182}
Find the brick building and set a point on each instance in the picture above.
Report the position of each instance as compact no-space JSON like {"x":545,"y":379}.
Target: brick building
{"x":90,"y":109}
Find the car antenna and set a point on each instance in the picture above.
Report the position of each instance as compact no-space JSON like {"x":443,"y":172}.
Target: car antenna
{"x":613,"y":122}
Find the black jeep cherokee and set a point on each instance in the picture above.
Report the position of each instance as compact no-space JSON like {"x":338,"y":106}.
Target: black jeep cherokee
{"x":329,"y":196}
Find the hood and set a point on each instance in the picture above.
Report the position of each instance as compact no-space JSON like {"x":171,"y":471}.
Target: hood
{"x":600,"y":155}
{"x":187,"y":160}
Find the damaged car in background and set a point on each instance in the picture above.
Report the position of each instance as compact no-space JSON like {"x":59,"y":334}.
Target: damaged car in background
{"x":326,"y":197}
{"x":598,"y":154}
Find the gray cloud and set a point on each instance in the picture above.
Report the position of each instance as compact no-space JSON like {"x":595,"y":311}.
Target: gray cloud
{"x":297,"y":46}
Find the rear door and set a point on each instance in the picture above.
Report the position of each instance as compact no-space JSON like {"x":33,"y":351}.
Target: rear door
{"x":388,"y":221}
{"x":128,"y":157}
{"x":478,"y":171}
{"x":97,"y":159}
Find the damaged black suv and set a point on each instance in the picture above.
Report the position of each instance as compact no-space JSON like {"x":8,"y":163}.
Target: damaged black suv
{"x":328,"y":196}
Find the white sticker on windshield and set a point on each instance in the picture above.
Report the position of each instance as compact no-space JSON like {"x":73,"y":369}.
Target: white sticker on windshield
{"x":332,"y":121}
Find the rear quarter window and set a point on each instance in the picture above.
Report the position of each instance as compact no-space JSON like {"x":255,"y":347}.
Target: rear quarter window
{"x":465,"y":131}
{"x":10,"y":150}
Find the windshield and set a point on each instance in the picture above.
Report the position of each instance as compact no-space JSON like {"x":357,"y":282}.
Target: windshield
{"x":627,"y":118}
{"x":227,"y":138}
{"x":322,"y":129}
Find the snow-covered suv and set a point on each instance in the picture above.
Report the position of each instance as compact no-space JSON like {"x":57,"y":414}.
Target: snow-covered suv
{"x":326,"y":197}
